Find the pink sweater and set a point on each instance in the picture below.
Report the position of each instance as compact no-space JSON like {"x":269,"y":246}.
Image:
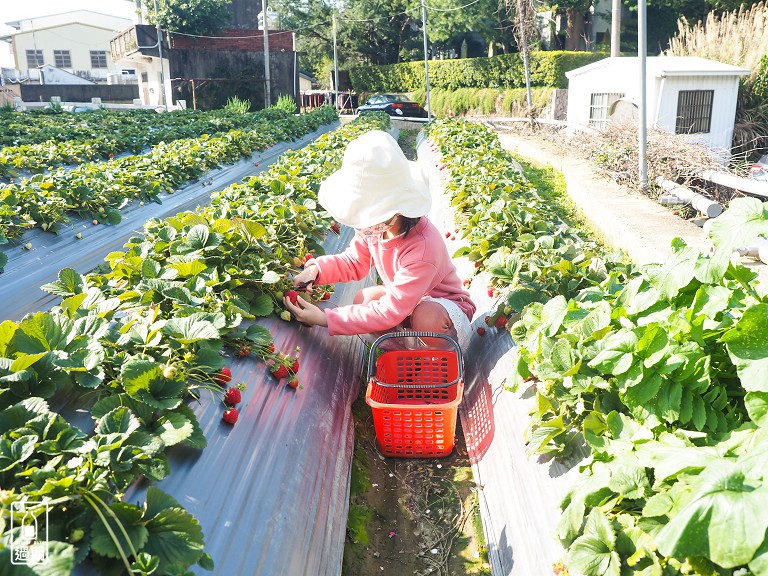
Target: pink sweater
{"x":410,"y":268}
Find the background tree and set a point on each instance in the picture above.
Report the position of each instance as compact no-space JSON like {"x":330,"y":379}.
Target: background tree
{"x":204,"y":17}
{"x":314,"y":37}
{"x":380,"y":31}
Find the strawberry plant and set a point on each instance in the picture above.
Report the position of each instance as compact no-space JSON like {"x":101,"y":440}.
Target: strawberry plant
{"x":146,"y":334}
{"x":661,"y":370}
{"x":98,"y":190}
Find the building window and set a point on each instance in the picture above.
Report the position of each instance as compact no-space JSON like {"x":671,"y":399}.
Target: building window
{"x":600,"y":106}
{"x":98,"y":58}
{"x":34,"y":58}
{"x":62,"y":59}
{"x":694,"y":111}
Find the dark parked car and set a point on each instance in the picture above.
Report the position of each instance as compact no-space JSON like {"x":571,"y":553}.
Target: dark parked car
{"x":394,"y":105}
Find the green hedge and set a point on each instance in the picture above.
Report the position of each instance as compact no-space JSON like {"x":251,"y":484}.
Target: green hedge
{"x":760,"y":82}
{"x":501,"y":101}
{"x":503,"y":71}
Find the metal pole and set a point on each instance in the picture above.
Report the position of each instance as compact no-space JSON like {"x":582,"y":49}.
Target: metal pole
{"x":267,"y":87}
{"x":335,"y":66}
{"x":160,"y":54}
{"x":426,"y":58}
{"x":642,"y":128}
{"x":615,"y":28}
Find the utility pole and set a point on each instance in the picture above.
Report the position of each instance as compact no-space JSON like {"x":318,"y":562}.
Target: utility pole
{"x":335,"y":66}
{"x":642,"y":128}
{"x":426,"y":57}
{"x":160,"y":54}
{"x":615,"y":28}
{"x":267,"y":87}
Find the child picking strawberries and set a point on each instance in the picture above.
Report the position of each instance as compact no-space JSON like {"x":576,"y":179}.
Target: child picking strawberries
{"x":384,"y":197}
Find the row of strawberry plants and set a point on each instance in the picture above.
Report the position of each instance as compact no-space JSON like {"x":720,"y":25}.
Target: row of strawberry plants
{"x":98,"y":190}
{"x":117,"y":133}
{"x":141,"y":339}
{"x":36,"y":127}
{"x":661,"y":370}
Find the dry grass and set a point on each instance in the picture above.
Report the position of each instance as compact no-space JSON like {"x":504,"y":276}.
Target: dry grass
{"x":739,"y":38}
{"x":615,"y":152}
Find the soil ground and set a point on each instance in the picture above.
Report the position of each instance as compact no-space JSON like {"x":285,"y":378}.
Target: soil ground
{"x":411,"y":516}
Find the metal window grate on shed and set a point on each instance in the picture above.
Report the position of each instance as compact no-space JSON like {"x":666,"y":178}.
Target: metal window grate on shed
{"x":62,"y":59}
{"x":98,"y":58}
{"x":34,"y":58}
{"x":600,"y":106}
{"x":694,"y":111}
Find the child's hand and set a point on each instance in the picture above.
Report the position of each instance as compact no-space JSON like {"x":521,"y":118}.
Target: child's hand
{"x":306,"y":277}
{"x":306,"y":312}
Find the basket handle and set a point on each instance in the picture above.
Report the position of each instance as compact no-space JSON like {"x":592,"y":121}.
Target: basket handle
{"x":414,"y":334}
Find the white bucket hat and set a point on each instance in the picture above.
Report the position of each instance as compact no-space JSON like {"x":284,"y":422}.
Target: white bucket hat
{"x":375,"y":182}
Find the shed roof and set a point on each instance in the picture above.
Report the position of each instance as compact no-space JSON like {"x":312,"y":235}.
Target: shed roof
{"x":661,"y":66}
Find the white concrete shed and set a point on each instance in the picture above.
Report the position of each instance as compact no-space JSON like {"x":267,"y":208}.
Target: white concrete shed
{"x":685,"y":95}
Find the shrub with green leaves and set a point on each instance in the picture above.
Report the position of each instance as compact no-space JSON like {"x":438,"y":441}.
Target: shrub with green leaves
{"x":504,"y":71}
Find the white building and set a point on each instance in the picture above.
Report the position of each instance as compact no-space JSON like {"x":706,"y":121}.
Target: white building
{"x":684,"y":95}
{"x":76,"y":42}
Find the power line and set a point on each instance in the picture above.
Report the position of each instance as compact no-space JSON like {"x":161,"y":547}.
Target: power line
{"x":318,"y":24}
{"x":451,"y":9}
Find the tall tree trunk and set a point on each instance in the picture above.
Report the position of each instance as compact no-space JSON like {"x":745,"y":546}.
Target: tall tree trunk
{"x":575,"y":29}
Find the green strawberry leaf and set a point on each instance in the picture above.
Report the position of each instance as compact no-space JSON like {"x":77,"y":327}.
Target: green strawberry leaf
{"x":129,"y":517}
{"x":748,"y":348}
{"x":175,"y":536}
{"x":594,"y":553}
{"x":143,"y":380}
{"x":724,"y":521}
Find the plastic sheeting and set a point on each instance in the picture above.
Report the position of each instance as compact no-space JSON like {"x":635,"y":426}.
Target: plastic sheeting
{"x":27,"y":270}
{"x":271,"y":492}
{"x":519,"y":495}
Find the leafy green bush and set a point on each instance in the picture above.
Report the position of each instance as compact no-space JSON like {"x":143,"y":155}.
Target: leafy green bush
{"x":503,"y":71}
{"x":237,"y":105}
{"x":511,"y":101}
{"x":286,"y":103}
{"x":760,"y":80}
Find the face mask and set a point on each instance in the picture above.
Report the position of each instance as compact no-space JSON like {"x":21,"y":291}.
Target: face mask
{"x":376,"y":229}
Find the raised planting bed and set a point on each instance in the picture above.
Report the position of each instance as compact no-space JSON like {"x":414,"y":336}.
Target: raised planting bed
{"x":143,"y":351}
{"x":657,"y":373}
{"x":98,"y":190}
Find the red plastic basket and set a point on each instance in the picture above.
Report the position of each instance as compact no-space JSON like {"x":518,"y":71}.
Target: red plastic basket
{"x":415,"y":396}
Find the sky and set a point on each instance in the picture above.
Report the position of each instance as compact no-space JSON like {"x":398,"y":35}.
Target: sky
{"x":11,"y":10}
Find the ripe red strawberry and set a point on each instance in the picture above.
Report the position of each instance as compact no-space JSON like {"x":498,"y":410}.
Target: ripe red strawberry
{"x":447,"y":234}
{"x":481,"y":331}
{"x":232,"y":396}
{"x":230,"y":416}
{"x":295,"y":367}
{"x":501,"y":322}
{"x":244,"y":351}
{"x":279,"y":371}
{"x":223,"y":377}
{"x":308,"y":257}
{"x":292,"y":295}
{"x":335,"y":227}
{"x":293,"y":383}
{"x":490,"y":292}
{"x":453,"y":237}
{"x":326,"y":295}
{"x":271,"y":348}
